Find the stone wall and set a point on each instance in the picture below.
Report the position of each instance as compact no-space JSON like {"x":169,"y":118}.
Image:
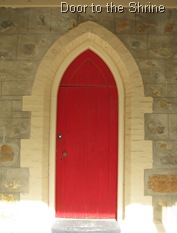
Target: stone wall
{"x":25,"y":37}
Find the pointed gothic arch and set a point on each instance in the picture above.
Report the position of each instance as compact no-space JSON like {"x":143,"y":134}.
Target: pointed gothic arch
{"x":42,"y":102}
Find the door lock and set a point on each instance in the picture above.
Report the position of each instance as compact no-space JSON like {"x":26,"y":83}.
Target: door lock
{"x":64,"y":154}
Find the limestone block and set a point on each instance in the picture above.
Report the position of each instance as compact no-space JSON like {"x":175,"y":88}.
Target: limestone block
{"x":8,"y":46}
{"x":5,"y":108}
{"x":16,"y":88}
{"x":17,"y":70}
{"x":61,"y":23}
{"x":106,"y":19}
{"x":156,"y":126}
{"x":165,"y":154}
{"x":10,"y":153}
{"x":137,"y":44}
{"x":173,"y":126}
{"x":14,"y":180}
{"x":39,"y":20}
{"x":14,"y":127}
{"x":152,"y":70}
{"x":165,"y":105}
{"x":160,"y":181}
{"x":125,"y":23}
{"x":162,"y":46}
{"x":33,"y":47}
{"x":13,"y":20}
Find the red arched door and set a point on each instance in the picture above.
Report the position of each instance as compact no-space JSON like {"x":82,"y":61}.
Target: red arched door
{"x":86,"y":143}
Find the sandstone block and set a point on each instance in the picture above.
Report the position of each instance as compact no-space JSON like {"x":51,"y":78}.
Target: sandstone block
{"x":160,"y":182}
{"x":10,"y":153}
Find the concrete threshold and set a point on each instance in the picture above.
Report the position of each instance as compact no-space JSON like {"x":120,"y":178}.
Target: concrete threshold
{"x":85,"y":225}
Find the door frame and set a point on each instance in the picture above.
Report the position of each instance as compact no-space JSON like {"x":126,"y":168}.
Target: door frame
{"x":53,"y":109}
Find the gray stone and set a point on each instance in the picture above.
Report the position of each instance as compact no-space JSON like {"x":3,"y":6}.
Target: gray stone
{"x":8,"y":45}
{"x":16,"y":88}
{"x":165,"y":154}
{"x":162,"y":46}
{"x":13,"y":20}
{"x":14,"y":180}
{"x":171,"y":70}
{"x":21,"y":114}
{"x":105,"y":19}
{"x":5,"y":108}
{"x":12,"y":98}
{"x":155,"y":90}
{"x":93,"y":226}
{"x":165,"y":105}
{"x":158,"y":203}
{"x":152,"y":70}
{"x":10,"y":153}
{"x":173,"y":126}
{"x":39,"y":20}
{"x":62,"y":22}
{"x":17,"y":70}
{"x":33,"y":47}
{"x":170,"y":27}
{"x":171,"y":90}
{"x":152,"y":23}
{"x":137,"y":44}
{"x":15,"y":128}
{"x":16,"y":105}
{"x":125,"y":23}
{"x":159,"y":90}
{"x":156,"y":126}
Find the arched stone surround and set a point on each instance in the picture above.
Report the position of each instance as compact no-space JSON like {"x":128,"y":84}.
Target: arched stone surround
{"x":135,"y":154}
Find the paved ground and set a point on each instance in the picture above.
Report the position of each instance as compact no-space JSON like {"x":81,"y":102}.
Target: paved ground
{"x":93,"y":226}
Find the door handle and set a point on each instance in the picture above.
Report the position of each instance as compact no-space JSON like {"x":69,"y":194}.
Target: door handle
{"x":64,"y":154}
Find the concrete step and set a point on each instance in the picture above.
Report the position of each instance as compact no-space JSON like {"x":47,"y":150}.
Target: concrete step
{"x":85,"y":225}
